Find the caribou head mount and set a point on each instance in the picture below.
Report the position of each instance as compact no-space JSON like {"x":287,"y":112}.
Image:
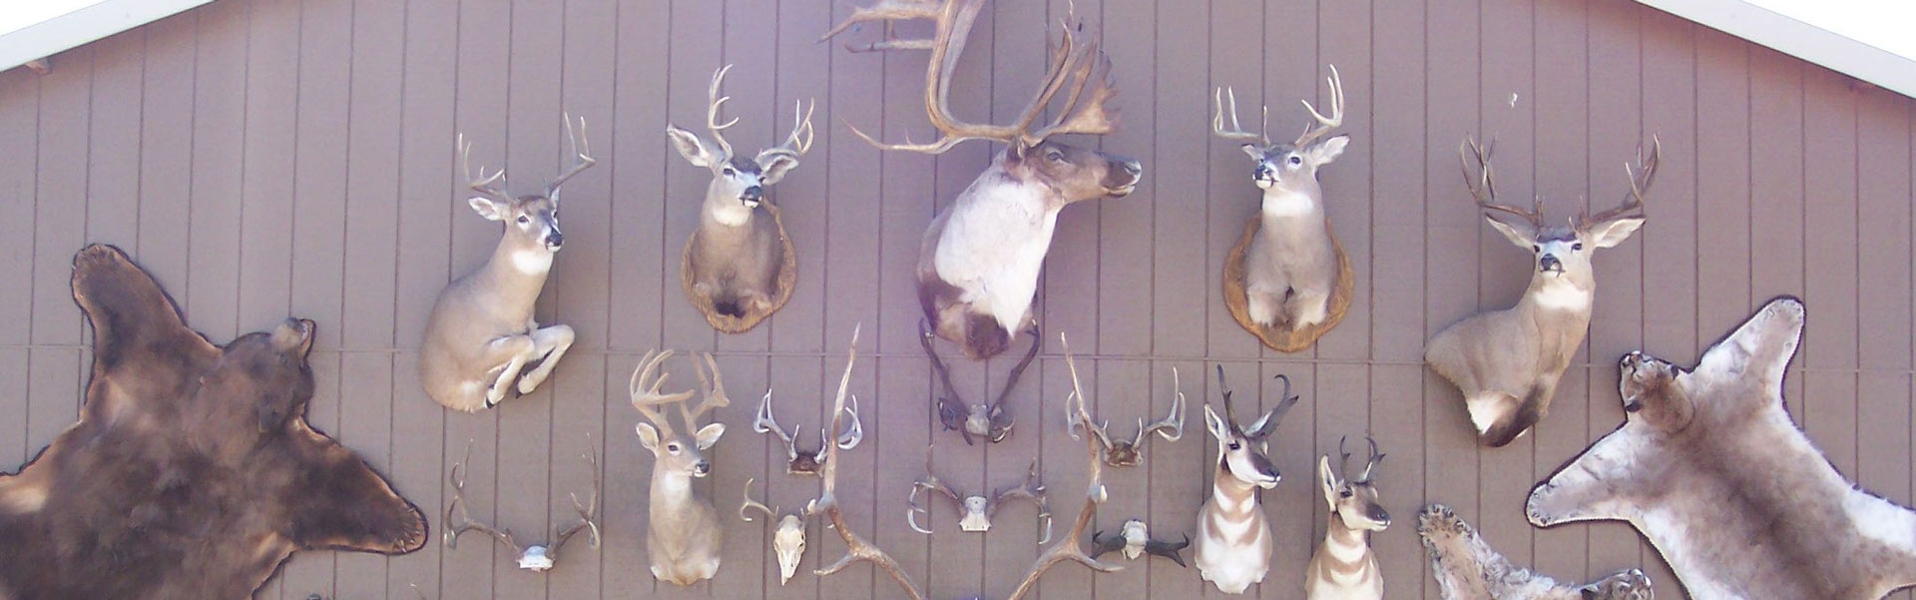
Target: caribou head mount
{"x":978,"y":266}
{"x":1710,"y":468}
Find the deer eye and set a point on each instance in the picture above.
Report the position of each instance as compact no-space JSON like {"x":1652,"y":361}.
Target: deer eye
{"x":1536,"y":248}
{"x":1577,"y":246}
{"x":1054,"y":156}
{"x":1345,"y":493}
{"x":673,"y":448}
{"x":1235,"y":445}
{"x":523,"y":219}
{"x":729,"y":172}
{"x":1296,"y":160}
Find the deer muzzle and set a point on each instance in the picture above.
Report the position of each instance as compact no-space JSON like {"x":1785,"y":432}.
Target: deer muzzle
{"x":1548,"y":263}
{"x":752,"y":195}
{"x":702,"y":468}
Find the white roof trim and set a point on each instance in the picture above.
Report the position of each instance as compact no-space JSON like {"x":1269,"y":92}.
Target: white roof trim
{"x":84,"y":26}
{"x":1799,"y":39}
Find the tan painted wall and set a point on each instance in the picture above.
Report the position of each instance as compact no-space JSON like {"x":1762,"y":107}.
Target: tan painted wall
{"x":272,"y":157}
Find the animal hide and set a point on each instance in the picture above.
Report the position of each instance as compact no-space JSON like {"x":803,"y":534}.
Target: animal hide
{"x":1466,"y":568}
{"x":192,"y":472}
{"x":1709,"y":467}
{"x":787,"y":281}
{"x":1283,"y":340}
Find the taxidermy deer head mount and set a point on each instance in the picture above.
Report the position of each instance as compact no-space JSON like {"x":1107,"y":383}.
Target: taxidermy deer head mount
{"x":739,"y":266}
{"x":1234,"y":540}
{"x":1293,"y":264}
{"x":978,"y":267}
{"x":480,"y":334}
{"x":1121,"y":452}
{"x":1344,"y":565}
{"x":537,"y":558}
{"x":683,"y":537}
{"x":1507,"y":362}
{"x":806,"y":462}
{"x":1709,"y":467}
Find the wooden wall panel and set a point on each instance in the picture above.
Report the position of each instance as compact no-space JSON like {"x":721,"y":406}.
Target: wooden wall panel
{"x":266,"y":158}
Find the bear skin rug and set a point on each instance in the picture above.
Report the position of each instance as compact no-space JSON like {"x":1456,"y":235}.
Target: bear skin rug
{"x":192,"y":472}
{"x":1709,"y":467}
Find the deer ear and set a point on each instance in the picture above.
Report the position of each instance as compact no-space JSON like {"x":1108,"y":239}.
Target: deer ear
{"x":1253,"y":151}
{"x":648,"y":437}
{"x":772,"y":168}
{"x":1521,"y":234}
{"x":690,"y":147}
{"x":1329,"y":149}
{"x":492,"y":211}
{"x":1328,"y":479}
{"x":1610,"y":233}
{"x":709,"y":435}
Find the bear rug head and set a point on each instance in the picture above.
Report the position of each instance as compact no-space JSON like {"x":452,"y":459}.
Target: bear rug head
{"x":192,"y":472}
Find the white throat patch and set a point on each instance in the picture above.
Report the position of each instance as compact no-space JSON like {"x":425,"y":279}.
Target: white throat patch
{"x":1561,"y":295}
{"x":731,"y":214}
{"x":1285,"y":203}
{"x":532,"y":262}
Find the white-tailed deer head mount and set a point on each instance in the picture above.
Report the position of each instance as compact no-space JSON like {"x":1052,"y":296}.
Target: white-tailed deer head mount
{"x":1287,"y":169}
{"x":1507,"y":362}
{"x":683,"y":531}
{"x":735,"y":179}
{"x":978,"y":268}
{"x":806,"y":462}
{"x":1122,"y":452}
{"x":537,"y":558}
{"x":978,"y":509}
{"x":1709,"y":467}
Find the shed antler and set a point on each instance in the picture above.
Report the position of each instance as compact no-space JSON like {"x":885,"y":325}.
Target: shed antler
{"x":1074,"y":64}
{"x":1484,"y":188}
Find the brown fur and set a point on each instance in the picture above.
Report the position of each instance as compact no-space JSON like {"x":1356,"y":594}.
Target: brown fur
{"x":1709,"y":467}
{"x":703,"y":257}
{"x":1236,"y":299}
{"x":1466,"y":568}
{"x":192,"y":472}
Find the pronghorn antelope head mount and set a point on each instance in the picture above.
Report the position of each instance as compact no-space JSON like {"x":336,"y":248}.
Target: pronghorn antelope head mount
{"x":1507,"y":362}
{"x":1066,"y":548}
{"x":1233,"y":547}
{"x":979,"y":509}
{"x":1295,"y":277}
{"x":1134,"y":540}
{"x":1344,"y":567}
{"x":806,"y":462}
{"x":1122,"y":452}
{"x":537,"y":558}
{"x":788,"y":540}
{"x":978,"y":267}
{"x":1466,"y":568}
{"x":683,"y":534}
{"x":480,"y":334}
{"x":738,"y":265}
{"x":1709,"y":467}
{"x":989,"y":421}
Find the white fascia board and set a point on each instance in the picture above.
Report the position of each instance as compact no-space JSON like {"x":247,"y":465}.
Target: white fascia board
{"x":84,"y":26}
{"x":1798,"y":39}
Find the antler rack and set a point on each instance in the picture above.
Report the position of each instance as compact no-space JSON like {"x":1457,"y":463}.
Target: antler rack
{"x":535,"y":557}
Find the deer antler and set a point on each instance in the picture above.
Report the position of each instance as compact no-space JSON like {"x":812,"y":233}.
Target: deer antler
{"x":588,"y":511}
{"x":1237,"y":133}
{"x":1484,"y":189}
{"x":644,"y":390}
{"x":486,"y":185}
{"x":1079,"y":66}
{"x":1641,"y":176}
{"x":929,"y":481}
{"x":459,"y":521}
{"x":1032,"y":489}
{"x":770,"y":514}
{"x":766,"y":423}
{"x":1324,"y":125}
{"x":1174,"y":422}
{"x":581,"y":151}
{"x":714,"y":391}
{"x":799,"y":141}
{"x":1075,"y":414}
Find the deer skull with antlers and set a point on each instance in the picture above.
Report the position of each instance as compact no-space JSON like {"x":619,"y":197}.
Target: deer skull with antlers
{"x":806,"y":462}
{"x":1121,"y":452}
{"x":788,"y":540}
{"x":738,"y":268}
{"x":979,"y":509}
{"x":537,"y":558}
{"x":978,"y":266}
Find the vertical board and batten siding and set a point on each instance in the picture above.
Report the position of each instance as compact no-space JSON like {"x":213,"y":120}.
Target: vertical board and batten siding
{"x":271,"y":157}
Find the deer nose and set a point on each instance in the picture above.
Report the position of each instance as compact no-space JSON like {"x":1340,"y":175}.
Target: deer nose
{"x":1378,"y":515}
{"x":752,"y":194}
{"x":1261,"y":172}
{"x":1549,"y":263}
{"x":555,"y":239}
{"x":1133,"y":167}
{"x":702,"y":468}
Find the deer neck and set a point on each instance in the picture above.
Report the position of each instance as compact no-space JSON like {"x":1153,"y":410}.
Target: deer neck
{"x":517,"y":271}
{"x":1303,"y":205}
{"x":1566,"y":293}
{"x":671,"y":494}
